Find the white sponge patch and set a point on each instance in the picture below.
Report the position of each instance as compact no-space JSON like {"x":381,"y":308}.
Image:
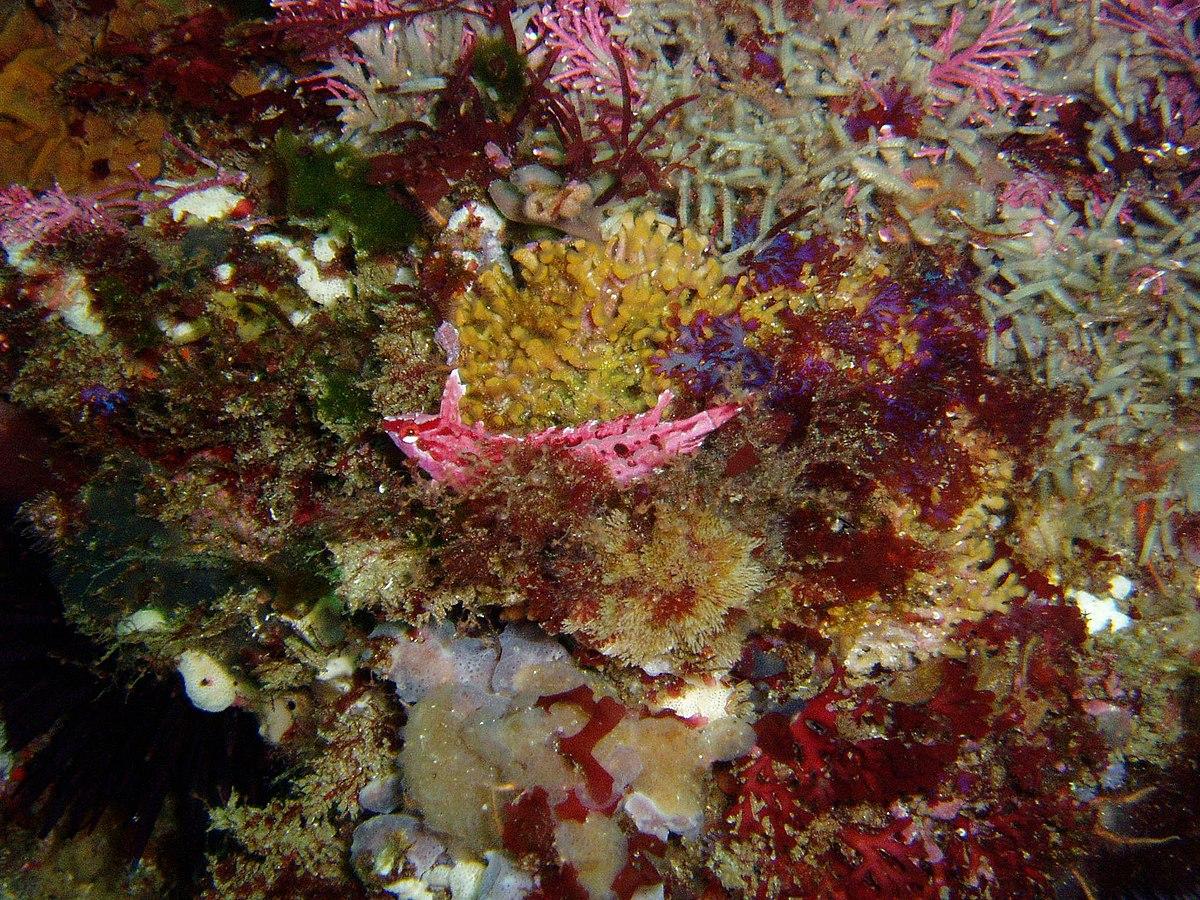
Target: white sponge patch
{"x":209,"y":685}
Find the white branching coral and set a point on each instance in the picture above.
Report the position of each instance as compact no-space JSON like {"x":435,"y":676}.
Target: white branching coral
{"x":1106,"y":300}
{"x":395,"y":74}
{"x":779,"y":124}
{"x":1106,"y":297}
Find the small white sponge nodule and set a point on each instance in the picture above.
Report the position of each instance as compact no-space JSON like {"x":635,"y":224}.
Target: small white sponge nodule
{"x":208,"y":683}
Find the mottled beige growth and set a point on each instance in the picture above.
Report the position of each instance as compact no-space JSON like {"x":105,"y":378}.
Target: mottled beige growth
{"x":596,"y":848}
{"x":446,"y":777}
{"x":475,"y":743}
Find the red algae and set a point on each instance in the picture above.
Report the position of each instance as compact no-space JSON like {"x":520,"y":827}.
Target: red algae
{"x":816,"y":514}
{"x":603,"y":716}
{"x":529,"y":827}
{"x":856,"y":564}
{"x":639,"y":870}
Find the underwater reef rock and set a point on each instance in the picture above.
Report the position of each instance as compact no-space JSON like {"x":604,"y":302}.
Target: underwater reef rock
{"x":463,"y":449}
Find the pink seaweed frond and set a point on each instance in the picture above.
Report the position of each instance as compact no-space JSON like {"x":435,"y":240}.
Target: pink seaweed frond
{"x":580,"y":32}
{"x":1170,"y":25}
{"x":1032,"y":190}
{"x":29,"y":218}
{"x":987,"y":68}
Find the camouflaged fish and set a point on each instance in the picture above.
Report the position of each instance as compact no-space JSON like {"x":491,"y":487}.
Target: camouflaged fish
{"x":630,"y":446}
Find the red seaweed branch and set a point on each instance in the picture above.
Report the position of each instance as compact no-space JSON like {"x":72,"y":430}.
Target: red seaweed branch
{"x":1170,"y":25}
{"x":628,"y":156}
{"x":604,"y":715}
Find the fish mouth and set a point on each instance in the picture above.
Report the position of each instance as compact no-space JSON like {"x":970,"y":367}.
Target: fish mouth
{"x":410,"y":439}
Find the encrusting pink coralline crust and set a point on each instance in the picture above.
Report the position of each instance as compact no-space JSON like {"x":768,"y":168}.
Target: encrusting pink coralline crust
{"x":630,"y":447}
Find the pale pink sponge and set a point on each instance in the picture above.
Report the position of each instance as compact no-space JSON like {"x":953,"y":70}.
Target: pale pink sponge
{"x":630,"y":446}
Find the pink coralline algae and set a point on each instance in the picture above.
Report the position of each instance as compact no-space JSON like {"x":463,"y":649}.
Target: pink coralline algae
{"x":579,"y":31}
{"x":26,"y":218}
{"x":29,"y":218}
{"x":630,"y":447}
{"x":988,"y":67}
{"x":1170,"y":26}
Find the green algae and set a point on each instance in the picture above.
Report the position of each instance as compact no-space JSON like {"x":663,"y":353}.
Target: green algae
{"x":331,"y":183}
